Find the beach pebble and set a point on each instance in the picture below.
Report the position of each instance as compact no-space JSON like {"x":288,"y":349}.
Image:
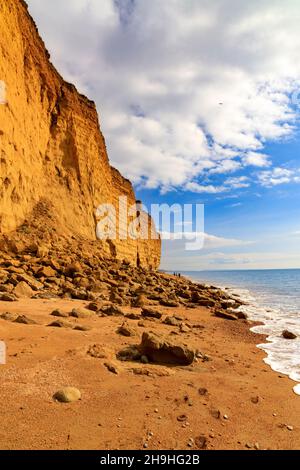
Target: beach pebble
{"x":67,"y":395}
{"x":255,"y":400}
{"x":191,"y":442}
{"x":216,"y":414}
{"x":201,"y":442}
{"x":182,"y":418}
{"x":288,"y":334}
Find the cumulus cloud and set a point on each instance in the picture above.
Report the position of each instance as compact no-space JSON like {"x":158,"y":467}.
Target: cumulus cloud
{"x":184,"y":89}
{"x":278,"y":176}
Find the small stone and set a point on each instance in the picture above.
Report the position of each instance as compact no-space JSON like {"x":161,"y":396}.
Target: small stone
{"x":201,"y":442}
{"x":216,"y":414}
{"x":145,"y":445}
{"x":203,"y":391}
{"x":81,"y":328}
{"x":59,"y":313}
{"x":8,"y":297}
{"x":191,"y":442}
{"x":289,"y":334}
{"x":255,"y":400}
{"x":126,"y":330}
{"x":60,"y":324}
{"x":248,"y":445}
{"x":67,"y":395}
{"x":24,"y":320}
{"x":184,"y":328}
{"x":8,"y":316}
{"x":112,"y":368}
{"x":144,"y":360}
{"x":150,"y":313}
{"x":290,"y":428}
{"x":256,"y":446}
{"x":182,"y":418}
{"x":81,"y":313}
{"x":93,"y":306}
{"x":225,"y":417}
{"x":172,"y":321}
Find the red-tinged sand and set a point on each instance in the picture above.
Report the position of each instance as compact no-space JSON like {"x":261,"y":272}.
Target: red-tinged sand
{"x":256,"y":406}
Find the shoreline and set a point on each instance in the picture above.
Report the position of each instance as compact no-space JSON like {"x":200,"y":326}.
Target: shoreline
{"x":243,"y":404}
{"x":249,"y":299}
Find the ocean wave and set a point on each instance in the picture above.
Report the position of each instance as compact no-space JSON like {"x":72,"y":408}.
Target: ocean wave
{"x":283,"y":355}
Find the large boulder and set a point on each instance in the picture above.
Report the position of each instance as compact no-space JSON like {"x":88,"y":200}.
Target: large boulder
{"x":164,"y":350}
{"x":22,"y":289}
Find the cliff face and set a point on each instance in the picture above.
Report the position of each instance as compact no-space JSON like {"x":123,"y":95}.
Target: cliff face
{"x":51,"y":146}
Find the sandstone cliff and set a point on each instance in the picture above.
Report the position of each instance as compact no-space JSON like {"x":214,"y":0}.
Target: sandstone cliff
{"x":52,"y":151}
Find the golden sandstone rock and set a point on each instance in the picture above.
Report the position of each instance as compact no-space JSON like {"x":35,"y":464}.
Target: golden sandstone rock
{"x":52,"y":152}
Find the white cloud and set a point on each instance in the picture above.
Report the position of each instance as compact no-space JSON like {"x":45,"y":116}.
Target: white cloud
{"x":278,"y":176}
{"x":256,"y":159}
{"x":182,"y":88}
{"x":237,"y":182}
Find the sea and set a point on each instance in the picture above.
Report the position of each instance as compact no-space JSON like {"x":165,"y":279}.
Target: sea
{"x":273,"y":298}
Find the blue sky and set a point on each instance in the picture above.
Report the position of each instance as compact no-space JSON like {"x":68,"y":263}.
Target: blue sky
{"x":197,"y":101}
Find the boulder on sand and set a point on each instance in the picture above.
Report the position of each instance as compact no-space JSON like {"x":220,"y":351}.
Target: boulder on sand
{"x":162,"y":350}
{"x":226,"y":315}
{"x":67,"y":395}
{"x":151,"y":313}
{"x":288,"y":335}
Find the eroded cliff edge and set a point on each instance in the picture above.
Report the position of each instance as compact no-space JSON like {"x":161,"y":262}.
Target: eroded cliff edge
{"x":52,"y":151}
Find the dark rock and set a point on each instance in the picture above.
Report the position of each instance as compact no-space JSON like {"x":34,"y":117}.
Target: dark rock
{"x":5,"y":297}
{"x":150,"y":313}
{"x":172,"y":321}
{"x":201,"y":442}
{"x":60,"y":324}
{"x":225,"y":315}
{"x":60,"y":314}
{"x":289,"y":334}
{"x":161,"y":350}
{"x":24,"y":320}
{"x":169,"y":303}
{"x":133,"y":316}
{"x":130,"y":353}
{"x":126,"y":330}
{"x":112,"y":310}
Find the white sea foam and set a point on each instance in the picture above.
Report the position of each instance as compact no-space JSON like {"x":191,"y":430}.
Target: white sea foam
{"x":283,"y":355}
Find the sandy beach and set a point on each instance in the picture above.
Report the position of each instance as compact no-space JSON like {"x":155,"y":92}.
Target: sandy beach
{"x":227,"y":399}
